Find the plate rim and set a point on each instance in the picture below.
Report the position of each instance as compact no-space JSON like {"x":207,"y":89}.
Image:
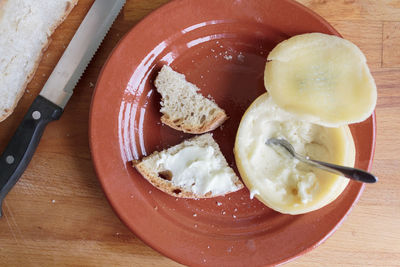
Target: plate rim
{"x":113,"y":205}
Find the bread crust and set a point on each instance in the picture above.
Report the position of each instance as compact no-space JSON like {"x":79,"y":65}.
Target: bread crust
{"x":183,"y":106}
{"x":170,"y":188}
{"x":166,"y":187}
{"x":217,"y":121}
{"x":21,"y":91}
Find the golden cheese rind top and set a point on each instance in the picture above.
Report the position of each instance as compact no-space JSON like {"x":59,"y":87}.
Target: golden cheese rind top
{"x":321,"y":78}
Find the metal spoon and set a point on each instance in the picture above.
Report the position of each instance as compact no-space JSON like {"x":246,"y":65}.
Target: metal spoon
{"x":351,"y":173}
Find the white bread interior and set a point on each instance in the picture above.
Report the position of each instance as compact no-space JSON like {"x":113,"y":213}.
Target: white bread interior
{"x":183,"y":107}
{"x":25,"y":30}
{"x":154,"y":170}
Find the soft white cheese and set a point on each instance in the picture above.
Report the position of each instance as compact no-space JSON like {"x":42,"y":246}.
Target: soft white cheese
{"x":272,"y":174}
{"x":197,"y":169}
{"x":273,"y":167}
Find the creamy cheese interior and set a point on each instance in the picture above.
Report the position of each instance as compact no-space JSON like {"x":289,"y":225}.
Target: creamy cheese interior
{"x":272,"y":175}
{"x":197,"y":169}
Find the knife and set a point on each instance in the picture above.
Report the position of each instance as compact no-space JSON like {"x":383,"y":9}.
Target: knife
{"x":49,"y":104}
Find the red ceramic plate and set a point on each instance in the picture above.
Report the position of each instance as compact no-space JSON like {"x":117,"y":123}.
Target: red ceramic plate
{"x":221,"y":46}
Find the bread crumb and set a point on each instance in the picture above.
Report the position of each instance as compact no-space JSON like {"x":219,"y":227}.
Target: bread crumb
{"x":235,"y":210}
{"x":219,"y":203}
{"x":211,"y":98}
{"x":194,"y":215}
{"x":53,"y":201}
{"x":234,"y":216}
{"x":240,"y":57}
{"x":223,"y":212}
{"x":228,"y":57}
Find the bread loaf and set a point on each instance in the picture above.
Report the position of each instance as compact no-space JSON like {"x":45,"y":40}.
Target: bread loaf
{"x":195,"y":168}
{"x":183,"y":107}
{"x":25,"y":30}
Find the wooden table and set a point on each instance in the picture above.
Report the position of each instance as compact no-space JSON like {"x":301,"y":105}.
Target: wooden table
{"x":58,"y":214}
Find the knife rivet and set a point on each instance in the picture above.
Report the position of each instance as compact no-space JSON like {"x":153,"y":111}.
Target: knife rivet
{"x":10,"y":159}
{"x":36,"y":115}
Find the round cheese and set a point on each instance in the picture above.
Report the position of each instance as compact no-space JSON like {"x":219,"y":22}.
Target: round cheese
{"x":277,"y":179}
{"x":322,"y":79}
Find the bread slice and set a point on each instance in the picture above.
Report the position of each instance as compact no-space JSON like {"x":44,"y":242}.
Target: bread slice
{"x":183,"y":107}
{"x":195,"y":168}
{"x":25,"y":30}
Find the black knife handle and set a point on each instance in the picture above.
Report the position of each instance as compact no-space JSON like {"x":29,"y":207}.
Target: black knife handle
{"x":19,"y":151}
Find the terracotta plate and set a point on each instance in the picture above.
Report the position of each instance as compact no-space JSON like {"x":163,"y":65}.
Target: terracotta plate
{"x":221,"y":46}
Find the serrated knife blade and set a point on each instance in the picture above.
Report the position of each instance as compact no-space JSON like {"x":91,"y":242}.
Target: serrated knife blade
{"x":60,"y":85}
{"x":49,"y":104}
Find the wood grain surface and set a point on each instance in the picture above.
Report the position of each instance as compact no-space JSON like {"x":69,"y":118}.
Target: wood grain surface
{"x":57,"y":213}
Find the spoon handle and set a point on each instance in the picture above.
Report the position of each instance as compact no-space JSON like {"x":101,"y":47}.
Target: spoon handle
{"x":351,"y":173}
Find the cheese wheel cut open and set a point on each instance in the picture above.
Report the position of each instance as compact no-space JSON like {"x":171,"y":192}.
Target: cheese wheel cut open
{"x":277,"y":179}
{"x":322,"y":79}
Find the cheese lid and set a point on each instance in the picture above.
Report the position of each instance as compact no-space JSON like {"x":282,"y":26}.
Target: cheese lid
{"x":320,"y":78}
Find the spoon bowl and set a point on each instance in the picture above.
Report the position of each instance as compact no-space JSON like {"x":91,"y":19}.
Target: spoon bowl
{"x":348,"y":172}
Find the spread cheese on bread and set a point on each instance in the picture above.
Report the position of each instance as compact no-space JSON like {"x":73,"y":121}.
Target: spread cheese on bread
{"x":194,"y":168}
{"x":183,"y":107}
{"x":25,"y":29}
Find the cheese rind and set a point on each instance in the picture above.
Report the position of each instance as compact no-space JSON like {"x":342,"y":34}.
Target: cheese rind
{"x":321,"y":78}
{"x":282,"y":182}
